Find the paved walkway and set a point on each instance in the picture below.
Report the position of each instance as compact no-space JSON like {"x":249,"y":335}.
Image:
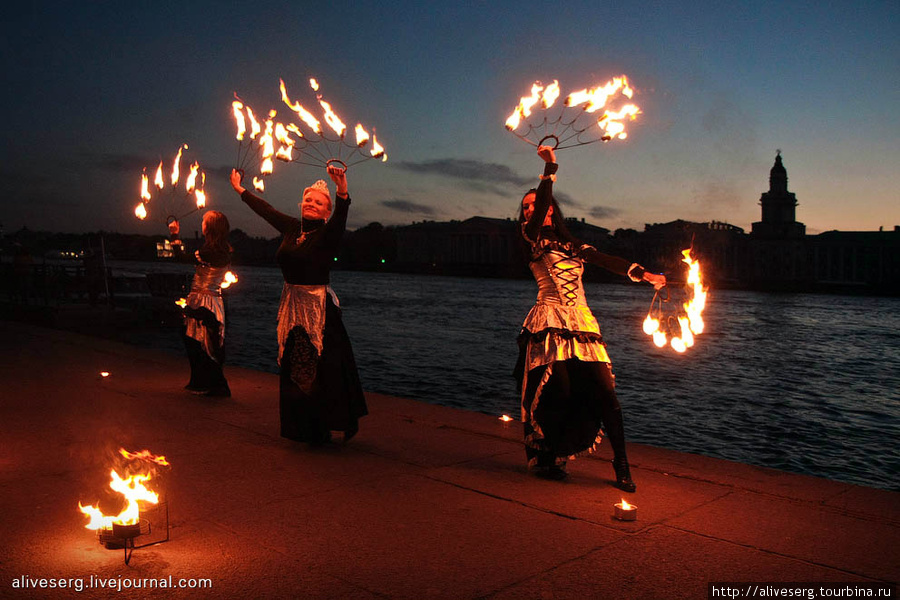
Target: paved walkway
{"x":426,"y":502}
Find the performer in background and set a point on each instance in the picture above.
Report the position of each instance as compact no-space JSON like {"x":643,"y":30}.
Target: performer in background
{"x":320,"y":391}
{"x":564,"y":373}
{"x":204,"y":314}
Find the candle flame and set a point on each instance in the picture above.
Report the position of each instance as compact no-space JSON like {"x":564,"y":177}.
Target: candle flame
{"x":625,"y":506}
{"x":104,"y":373}
{"x":505,"y":418}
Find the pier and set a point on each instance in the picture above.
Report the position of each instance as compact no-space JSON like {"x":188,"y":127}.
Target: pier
{"x":425,"y":502}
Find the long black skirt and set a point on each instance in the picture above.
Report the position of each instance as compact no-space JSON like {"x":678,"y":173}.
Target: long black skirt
{"x":329,"y":395}
{"x":206,"y":371}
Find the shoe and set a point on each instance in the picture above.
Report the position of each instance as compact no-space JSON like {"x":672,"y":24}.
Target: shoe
{"x":623,"y":475}
{"x":557,"y":473}
{"x":196,"y":389}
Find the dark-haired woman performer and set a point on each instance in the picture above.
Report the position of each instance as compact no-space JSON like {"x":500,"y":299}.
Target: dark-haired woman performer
{"x":564,"y":375}
{"x":320,"y":391}
{"x":204,"y":313}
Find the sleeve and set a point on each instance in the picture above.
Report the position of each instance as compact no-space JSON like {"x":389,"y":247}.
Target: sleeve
{"x":617,"y":265}
{"x":542,"y":200}
{"x":276,"y":219}
{"x":337,"y":224}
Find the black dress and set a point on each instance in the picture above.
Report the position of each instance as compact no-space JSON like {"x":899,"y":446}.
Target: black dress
{"x":564,"y":374}
{"x":204,"y":324}
{"x":320,"y":390}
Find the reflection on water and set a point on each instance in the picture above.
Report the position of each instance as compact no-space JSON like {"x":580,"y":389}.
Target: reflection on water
{"x":804,"y":383}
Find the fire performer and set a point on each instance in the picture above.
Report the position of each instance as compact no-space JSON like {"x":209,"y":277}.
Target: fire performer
{"x":320,"y":391}
{"x":564,"y":374}
{"x":204,"y":313}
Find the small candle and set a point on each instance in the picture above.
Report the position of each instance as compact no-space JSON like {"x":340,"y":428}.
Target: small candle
{"x":104,"y":373}
{"x":506,"y":418}
{"x":625,"y":511}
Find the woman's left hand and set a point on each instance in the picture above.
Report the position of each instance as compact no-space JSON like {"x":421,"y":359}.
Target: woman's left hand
{"x":658,"y":281}
{"x":339,"y":177}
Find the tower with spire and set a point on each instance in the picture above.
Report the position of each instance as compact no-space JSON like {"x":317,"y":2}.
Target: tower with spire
{"x":779,"y":208}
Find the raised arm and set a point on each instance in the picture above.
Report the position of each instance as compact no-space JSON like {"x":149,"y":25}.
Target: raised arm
{"x":544,"y":193}
{"x":337,"y":224}
{"x":273,"y":217}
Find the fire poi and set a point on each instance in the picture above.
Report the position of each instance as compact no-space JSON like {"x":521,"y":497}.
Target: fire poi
{"x":583,"y":117}
{"x":679,"y":329}
{"x":133,"y":484}
{"x":264,"y":142}
{"x":165,"y":199}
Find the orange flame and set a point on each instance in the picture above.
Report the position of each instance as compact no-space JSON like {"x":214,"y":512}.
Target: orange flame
{"x":191,"y":182}
{"x":598,"y":97}
{"x":377,"y":150}
{"x":237,"y":108}
{"x":611,"y":122}
{"x":134,"y":491}
{"x":229,"y":279}
{"x":551,"y":93}
{"x":691,"y":323}
{"x":145,"y":186}
{"x":144,"y":455}
{"x":158,"y":181}
{"x":625,"y":505}
{"x":314,"y":84}
{"x":176,"y":166}
{"x":181,"y":302}
{"x":362,"y":137}
{"x":267,"y":144}
{"x":523,"y":110}
{"x":140,"y":211}
{"x":304,"y":114}
{"x":201,"y":198}
{"x":285,"y":151}
{"x":505,"y":418}
{"x":258,"y":184}
{"x":255,"y":127}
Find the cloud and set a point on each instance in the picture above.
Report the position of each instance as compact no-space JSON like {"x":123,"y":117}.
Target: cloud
{"x":408,"y":207}
{"x":466,"y":169}
{"x":604,"y":212}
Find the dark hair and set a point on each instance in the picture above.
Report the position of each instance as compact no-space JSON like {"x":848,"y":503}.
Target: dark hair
{"x":217,"y":230}
{"x":557,"y":219}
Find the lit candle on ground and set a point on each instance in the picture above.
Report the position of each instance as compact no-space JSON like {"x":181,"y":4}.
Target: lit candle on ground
{"x":506,"y":418}
{"x":625,"y":511}
{"x":104,"y":373}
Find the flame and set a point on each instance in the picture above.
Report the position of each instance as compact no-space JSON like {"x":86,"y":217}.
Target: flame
{"x":258,"y":184}
{"x":255,"y":127}
{"x":191,"y":182}
{"x":523,"y":110}
{"x":145,"y":455}
{"x":294,"y":129}
{"x":237,"y":108}
{"x":514,"y":119}
{"x":691,"y":323}
{"x":314,"y":84}
{"x":104,"y":373}
{"x":267,"y":143}
{"x":362,"y":137}
{"x":611,"y":122}
{"x":201,"y":198}
{"x":506,"y":418}
{"x":145,"y":186}
{"x":551,"y":93}
{"x":285,"y":151}
{"x":625,"y":506}
{"x":304,"y":114}
{"x":377,"y":150}
{"x":134,"y":490}
{"x":229,"y":279}
{"x":598,"y":97}
{"x":158,"y":181}
{"x":140,"y":211}
{"x":176,"y":166}
{"x":181,"y":302}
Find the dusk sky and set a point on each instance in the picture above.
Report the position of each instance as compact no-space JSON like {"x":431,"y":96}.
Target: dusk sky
{"x":96,"y":91}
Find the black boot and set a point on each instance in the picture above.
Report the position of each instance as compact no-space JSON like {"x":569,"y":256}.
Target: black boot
{"x":623,"y":475}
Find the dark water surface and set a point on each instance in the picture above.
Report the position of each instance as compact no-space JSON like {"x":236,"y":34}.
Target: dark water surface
{"x":799,"y":382}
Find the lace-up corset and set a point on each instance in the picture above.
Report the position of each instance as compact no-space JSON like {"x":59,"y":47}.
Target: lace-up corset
{"x":558,"y":275}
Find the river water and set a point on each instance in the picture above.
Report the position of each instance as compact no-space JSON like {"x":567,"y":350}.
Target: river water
{"x":798,"y":382}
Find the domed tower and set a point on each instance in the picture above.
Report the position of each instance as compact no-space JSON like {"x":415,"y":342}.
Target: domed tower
{"x":779,"y":208}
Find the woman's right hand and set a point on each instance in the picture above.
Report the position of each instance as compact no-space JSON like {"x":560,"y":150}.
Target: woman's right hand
{"x":547,"y":153}
{"x":236,"y":181}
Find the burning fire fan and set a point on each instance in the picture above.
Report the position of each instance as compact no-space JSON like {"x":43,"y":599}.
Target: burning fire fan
{"x":575,"y":121}
{"x":317,"y":146}
{"x":680,"y":329}
{"x":168,"y":202}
